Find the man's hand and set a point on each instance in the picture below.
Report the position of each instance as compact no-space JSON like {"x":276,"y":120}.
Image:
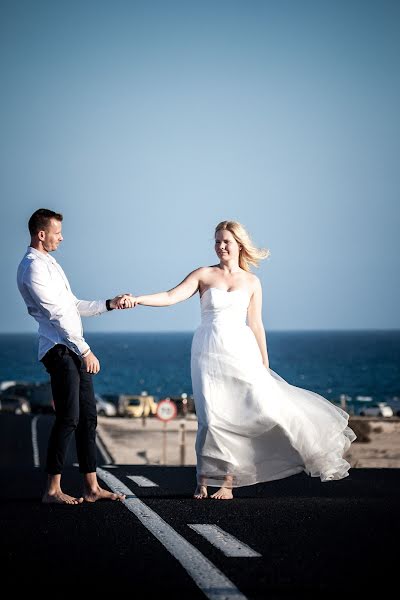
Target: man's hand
{"x":91,"y":363}
{"x":123,"y":301}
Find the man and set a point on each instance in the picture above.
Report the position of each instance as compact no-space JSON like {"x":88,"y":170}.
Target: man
{"x":66,"y":356}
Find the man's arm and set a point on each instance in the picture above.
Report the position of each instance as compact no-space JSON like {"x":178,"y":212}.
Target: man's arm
{"x":91,"y":308}
{"x":38,"y":282}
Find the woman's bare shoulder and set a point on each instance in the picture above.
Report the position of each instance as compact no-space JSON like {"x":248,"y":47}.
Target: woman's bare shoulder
{"x":204,"y":271}
{"x":253,"y":281}
{"x":198,"y":271}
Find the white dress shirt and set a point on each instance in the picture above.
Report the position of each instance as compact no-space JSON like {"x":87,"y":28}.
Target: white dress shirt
{"x":49,"y":299}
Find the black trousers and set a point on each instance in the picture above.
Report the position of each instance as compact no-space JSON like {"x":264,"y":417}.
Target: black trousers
{"x":75,"y":408}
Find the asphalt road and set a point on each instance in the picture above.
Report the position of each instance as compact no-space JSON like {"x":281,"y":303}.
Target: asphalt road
{"x":305,"y":538}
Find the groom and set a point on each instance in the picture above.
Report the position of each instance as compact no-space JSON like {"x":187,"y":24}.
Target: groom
{"x":66,"y":356}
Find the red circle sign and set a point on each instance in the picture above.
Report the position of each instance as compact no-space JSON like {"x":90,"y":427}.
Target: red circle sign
{"x":166,"y":410}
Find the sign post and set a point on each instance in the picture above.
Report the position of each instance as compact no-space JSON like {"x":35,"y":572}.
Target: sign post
{"x":166,"y":411}
{"x":182,"y":443}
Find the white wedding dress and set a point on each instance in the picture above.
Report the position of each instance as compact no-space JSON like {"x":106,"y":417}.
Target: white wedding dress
{"x":253,"y":426}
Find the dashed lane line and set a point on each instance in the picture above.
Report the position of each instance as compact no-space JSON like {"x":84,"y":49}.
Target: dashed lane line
{"x":227,"y":543}
{"x":142,"y":481}
{"x":212,"y":582}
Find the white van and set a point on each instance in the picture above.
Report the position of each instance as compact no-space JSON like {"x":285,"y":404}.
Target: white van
{"x":378,"y":409}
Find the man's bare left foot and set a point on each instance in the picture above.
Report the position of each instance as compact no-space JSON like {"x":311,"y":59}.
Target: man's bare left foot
{"x":223,"y":494}
{"x":100,"y":494}
{"x":58,"y":497}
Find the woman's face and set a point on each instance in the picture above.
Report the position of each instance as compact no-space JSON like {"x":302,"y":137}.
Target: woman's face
{"x":226,"y":246}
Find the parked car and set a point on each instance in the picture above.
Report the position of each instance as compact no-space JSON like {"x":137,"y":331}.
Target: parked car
{"x":39,"y":395}
{"x":135,"y":405}
{"x":117,"y":400}
{"x":6,"y":384}
{"x":394,"y":404}
{"x":14,"y":404}
{"x":105,"y":408}
{"x":378,"y":409}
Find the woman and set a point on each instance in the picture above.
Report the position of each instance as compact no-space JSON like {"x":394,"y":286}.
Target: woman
{"x":252,"y":425}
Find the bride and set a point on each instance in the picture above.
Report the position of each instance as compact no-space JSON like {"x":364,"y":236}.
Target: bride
{"x":253,"y":426}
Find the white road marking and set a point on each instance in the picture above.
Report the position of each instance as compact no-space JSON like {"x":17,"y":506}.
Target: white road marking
{"x":103,"y":451}
{"x":142,"y":481}
{"x":36,"y":458}
{"x":227,"y":543}
{"x":212,"y":582}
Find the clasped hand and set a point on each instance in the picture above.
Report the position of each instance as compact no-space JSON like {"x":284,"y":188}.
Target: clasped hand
{"x":123,"y":301}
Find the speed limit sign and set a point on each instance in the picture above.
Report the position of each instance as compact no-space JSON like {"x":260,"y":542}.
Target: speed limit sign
{"x":166,"y":410}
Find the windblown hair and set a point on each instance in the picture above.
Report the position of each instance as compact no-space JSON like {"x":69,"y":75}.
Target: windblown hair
{"x":248,"y":254}
{"x":40,"y":219}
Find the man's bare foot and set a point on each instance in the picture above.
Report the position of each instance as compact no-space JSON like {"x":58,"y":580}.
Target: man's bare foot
{"x":98,"y":493}
{"x":223,"y":494}
{"x":60,"y":498}
{"x":201,"y":492}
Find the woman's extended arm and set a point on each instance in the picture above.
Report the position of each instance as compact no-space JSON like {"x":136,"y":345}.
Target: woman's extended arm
{"x":254,"y":321}
{"x":184,"y":290}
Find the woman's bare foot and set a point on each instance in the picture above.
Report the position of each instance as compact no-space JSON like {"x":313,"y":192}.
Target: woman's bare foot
{"x":98,"y":493}
{"x":59,"y":497}
{"x":223,"y":494}
{"x":201,"y":492}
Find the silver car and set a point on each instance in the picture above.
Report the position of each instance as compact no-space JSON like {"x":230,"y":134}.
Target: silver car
{"x":104,"y":408}
{"x":378,"y":409}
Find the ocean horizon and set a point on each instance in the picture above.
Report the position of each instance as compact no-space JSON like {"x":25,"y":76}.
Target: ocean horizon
{"x":328,"y":362}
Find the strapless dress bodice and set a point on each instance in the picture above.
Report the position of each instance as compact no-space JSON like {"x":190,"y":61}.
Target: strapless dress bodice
{"x":222,"y":307}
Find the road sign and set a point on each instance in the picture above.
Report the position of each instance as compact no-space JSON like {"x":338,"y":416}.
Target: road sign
{"x":166,"y":410}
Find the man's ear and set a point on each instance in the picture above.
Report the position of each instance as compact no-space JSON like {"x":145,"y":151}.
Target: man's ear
{"x":41,"y":235}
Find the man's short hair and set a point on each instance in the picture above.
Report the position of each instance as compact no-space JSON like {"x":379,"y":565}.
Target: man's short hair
{"x":40,"y":219}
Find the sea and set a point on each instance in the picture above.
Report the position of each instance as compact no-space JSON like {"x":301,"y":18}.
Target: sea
{"x":359,"y":364}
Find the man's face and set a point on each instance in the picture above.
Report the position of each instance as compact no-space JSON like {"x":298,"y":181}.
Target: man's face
{"x":51,"y":237}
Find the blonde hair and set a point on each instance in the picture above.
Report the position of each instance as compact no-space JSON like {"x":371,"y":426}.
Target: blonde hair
{"x":248,"y":254}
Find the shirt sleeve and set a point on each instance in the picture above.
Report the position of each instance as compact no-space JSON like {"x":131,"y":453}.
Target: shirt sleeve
{"x":65,"y":319}
{"x":90,"y":308}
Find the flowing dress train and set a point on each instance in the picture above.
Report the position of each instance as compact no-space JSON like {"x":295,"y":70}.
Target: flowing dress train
{"x":253,"y":426}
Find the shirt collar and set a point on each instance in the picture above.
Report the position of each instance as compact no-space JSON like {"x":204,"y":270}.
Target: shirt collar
{"x":41,"y":255}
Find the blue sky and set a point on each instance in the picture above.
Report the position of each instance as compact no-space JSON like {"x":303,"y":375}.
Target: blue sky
{"x":147,"y":123}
